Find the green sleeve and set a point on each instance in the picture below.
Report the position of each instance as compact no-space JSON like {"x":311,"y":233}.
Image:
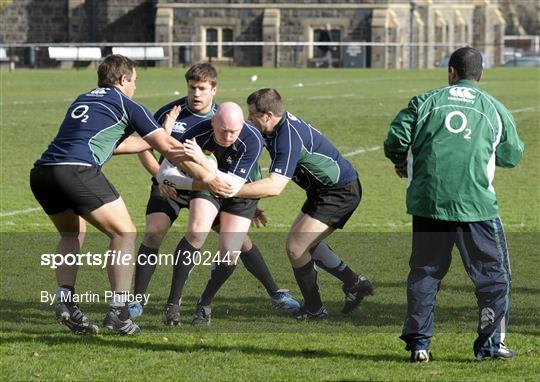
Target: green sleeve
{"x":396,"y":145}
{"x":510,"y":148}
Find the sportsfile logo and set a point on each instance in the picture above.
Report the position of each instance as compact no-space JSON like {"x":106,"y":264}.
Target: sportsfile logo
{"x":462,"y":94}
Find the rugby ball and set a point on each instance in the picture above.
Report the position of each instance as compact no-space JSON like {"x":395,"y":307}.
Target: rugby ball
{"x":211,"y":157}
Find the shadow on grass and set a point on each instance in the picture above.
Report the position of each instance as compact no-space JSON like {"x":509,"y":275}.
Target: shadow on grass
{"x":117,"y":343}
{"x":252,"y":314}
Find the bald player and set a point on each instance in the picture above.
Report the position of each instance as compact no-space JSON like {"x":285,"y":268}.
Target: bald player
{"x":237,"y":147}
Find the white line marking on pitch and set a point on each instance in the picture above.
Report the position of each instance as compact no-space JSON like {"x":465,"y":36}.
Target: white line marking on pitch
{"x":330,"y":97}
{"x":525,"y":109}
{"x":352,"y":153}
{"x":361,"y":151}
{"x":25,"y":211}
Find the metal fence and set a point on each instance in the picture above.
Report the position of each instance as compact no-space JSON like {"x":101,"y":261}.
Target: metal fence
{"x":257,"y":53}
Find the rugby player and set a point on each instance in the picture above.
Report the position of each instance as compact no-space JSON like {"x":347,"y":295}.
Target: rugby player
{"x":237,"y":146}
{"x":301,"y":153}
{"x":68,"y":183}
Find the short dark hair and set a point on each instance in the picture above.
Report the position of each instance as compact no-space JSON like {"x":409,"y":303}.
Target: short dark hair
{"x":266,"y":100}
{"x":112,"y":68}
{"x":467,"y":62}
{"x":202,"y":71}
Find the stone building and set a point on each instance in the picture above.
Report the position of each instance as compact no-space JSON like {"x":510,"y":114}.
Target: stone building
{"x":196,"y":30}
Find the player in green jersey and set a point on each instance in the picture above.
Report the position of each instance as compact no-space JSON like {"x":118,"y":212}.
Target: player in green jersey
{"x":448,"y":142}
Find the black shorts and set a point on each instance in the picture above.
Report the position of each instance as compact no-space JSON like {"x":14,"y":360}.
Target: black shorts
{"x":168,"y":206}
{"x":82,"y":189}
{"x":234,"y":206}
{"x":334,"y":206}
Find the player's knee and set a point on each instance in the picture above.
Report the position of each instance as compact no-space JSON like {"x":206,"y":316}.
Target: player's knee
{"x":154,"y":234}
{"x":123,"y":231}
{"x":247,"y":244}
{"x":196,"y":239}
{"x":294,"y":250}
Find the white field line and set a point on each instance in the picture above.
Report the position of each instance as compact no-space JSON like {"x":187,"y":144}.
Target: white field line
{"x":361,"y":151}
{"x":352,"y":153}
{"x":25,"y":211}
{"x":525,"y":109}
{"x":315,"y":98}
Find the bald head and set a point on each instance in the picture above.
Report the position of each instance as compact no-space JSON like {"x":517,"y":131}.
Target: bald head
{"x":227,"y":123}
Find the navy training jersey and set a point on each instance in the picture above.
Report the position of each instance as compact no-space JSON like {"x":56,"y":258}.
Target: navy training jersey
{"x":301,"y":153}
{"x":94,"y":125}
{"x":186,"y":119}
{"x":241,"y":159}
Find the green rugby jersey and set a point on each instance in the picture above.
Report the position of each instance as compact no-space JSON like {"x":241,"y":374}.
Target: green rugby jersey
{"x":456,"y":136}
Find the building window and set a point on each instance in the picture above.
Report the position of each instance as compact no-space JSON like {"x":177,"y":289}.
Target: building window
{"x":211,"y":36}
{"x":227,"y":36}
{"x":219,"y":35}
{"x":323,"y":35}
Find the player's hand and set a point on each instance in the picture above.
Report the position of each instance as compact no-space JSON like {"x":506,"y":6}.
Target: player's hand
{"x":259,"y":220}
{"x":194,"y":151}
{"x":167,"y":191}
{"x":220,"y":187}
{"x":176,"y":153}
{"x":401,"y":169}
{"x":170,"y":118}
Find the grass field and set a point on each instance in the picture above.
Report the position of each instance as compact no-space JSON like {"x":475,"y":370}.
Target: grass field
{"x":249,"y":340}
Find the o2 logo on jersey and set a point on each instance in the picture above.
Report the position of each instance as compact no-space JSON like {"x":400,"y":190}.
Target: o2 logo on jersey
{"x":458,"y":118}
{"x":80,"y":113}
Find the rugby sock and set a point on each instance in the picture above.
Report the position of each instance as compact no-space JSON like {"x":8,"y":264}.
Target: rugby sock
{"x":181,"y":271}
{"x":64,"y":293}
{"x":306,"y":277}
{"x":119,"y":303}
{"x":218,"y":276}
{"x":326,"y":259}
{"x":144,"y":272}
{"x":255,"y":264}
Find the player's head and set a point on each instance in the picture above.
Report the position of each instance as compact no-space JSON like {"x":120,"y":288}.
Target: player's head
{"x":119,"y":71}
{"x":265,"y":109}
{"x":465,"y":64}
{"x":201,"y":81}
{"x":227,"y":123}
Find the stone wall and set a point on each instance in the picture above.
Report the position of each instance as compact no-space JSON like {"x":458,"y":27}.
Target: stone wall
{"x":34,"y":21}
{"x":449,"y":23}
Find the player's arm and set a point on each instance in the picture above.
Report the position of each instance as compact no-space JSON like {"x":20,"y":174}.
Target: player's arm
{"x":264,"y":188}
{"x":132,"y":145}
{"x":135,"y":145}
{"x":149,"y":161}
{"x":288,"y":149}
{"x":399,"y":139}
{"x":510,"y":148}
{"x":173,"y":150}
{"x":170,"y":148}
